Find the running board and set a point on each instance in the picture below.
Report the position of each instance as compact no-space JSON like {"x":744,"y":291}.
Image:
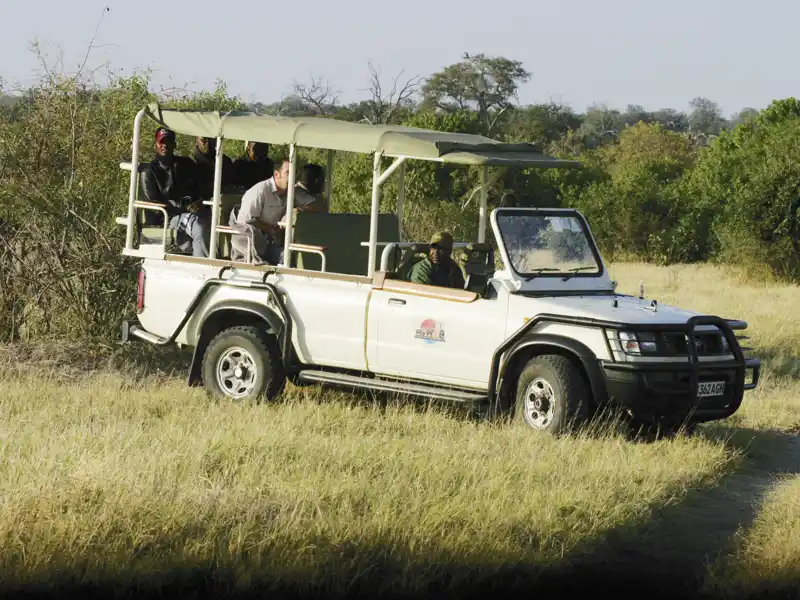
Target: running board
{"x":385,"y":385}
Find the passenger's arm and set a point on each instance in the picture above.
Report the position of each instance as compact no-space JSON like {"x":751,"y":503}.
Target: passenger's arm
{"x":264,"y":226}
{"x":149,"y":185}
{"x":421,"y":273}
{"x":250,"y":213}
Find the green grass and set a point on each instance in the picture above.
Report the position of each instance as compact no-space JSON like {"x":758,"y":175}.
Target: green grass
{"x":115,"y":474}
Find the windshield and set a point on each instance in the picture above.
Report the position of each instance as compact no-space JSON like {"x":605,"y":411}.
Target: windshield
{"x":539,"y":243}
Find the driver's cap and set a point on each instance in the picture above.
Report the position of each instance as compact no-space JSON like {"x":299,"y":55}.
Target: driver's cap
{"x":443,"y":239}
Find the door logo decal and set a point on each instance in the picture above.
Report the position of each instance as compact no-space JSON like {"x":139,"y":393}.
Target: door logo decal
{"x":430,"y":332}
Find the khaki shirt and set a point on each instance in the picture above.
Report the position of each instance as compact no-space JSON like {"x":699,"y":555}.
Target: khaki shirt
{"x":262,"y":203}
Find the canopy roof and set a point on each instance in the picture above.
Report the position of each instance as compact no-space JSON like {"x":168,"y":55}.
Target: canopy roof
{"x":332,"y":134}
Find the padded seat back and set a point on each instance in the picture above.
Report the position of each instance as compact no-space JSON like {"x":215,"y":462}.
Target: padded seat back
{"x":478,"y":266}
{"x":342,"y":234}
{"x":410,"y":257}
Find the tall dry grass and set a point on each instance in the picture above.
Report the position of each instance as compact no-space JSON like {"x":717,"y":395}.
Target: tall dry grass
{"x":117,"y":475}
{"x":137,"y":481}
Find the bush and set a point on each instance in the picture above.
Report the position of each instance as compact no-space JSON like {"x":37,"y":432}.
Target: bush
{"x":749,"y":181}
{"x":651,"y":195}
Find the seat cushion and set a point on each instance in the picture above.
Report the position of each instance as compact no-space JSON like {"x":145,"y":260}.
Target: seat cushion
{"x":155,"y":235}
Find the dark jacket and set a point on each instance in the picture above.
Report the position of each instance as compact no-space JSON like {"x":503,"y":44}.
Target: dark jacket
{"x":174,"y":187}
{"x":250,"y":172}
{"x":204,"y":166}
{"x":445,"y":274}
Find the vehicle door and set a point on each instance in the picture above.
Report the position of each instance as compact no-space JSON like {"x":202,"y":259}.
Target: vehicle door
{"x":429,"y":332}
{"x":329,"y":315}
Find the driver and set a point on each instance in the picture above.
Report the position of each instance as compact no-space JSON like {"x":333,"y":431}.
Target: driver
{"x":438,"y":268}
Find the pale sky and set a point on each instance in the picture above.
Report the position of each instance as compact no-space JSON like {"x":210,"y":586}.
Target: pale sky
{"x":618,"y":52}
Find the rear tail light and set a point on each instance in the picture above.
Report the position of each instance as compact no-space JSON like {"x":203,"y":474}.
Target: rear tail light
{"x":140,"y":291}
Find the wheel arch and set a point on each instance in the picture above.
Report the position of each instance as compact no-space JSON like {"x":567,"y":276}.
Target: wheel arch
{"x":233,"y":313}
{"x":541,"y":344}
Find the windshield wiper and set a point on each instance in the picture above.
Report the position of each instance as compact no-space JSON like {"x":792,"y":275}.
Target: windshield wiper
{"x":575,"y":270}
{"x":539,"y":270}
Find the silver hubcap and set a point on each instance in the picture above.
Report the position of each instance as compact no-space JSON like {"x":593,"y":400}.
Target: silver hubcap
{"x":236,"y":372}
{"x":540,"y":402}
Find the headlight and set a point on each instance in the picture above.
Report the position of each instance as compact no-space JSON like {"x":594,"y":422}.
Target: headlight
{"x":638,"y":343}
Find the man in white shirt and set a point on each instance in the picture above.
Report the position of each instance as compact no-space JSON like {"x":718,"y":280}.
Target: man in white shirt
{"x":263,"y":207}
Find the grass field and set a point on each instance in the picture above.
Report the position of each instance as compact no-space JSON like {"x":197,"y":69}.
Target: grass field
{"x":115,"y":477}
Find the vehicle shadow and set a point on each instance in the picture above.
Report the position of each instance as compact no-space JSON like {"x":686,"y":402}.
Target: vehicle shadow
{"x":665,"y":558}
{"x":674,"y":550}
{"x":76,"y":360}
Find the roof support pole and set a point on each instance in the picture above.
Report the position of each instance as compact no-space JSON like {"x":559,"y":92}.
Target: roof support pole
{"x":212,"y":250}
{"x":484,"y":204}
{"x":133,"y":190}
{"x":287,"y":241}
{"x":401,"y":198}
{"x":376,"y":205}
{"x":329,"y":180}
{"x":392,"y":168}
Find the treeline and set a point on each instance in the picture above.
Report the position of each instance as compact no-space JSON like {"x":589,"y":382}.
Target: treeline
{"x":663,"y":186}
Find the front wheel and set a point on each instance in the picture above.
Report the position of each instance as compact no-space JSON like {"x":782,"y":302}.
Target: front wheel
{"x":551,"y":395}
{"x":243,"y":363}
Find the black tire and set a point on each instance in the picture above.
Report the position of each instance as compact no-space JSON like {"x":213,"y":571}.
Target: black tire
{"x":256,"y":352}
{"x":558,"y":384}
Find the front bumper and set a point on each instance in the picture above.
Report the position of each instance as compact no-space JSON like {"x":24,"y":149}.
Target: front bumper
{"x":660,"y":390}
{"x":657,"y":392}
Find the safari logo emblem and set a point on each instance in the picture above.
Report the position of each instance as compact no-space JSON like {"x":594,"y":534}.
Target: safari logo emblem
{"x":430,"y":332}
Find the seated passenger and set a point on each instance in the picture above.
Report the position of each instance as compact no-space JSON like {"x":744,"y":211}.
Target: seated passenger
{"x":171,"y":181}
{"x":438,"y":268}
{"x":205,"y":156}
{"x":256,"y":165}
{"x":312,"y":181}
{"x":263,"y":207}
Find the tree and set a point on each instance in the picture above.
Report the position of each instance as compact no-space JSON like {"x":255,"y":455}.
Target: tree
{"x":671,"y":119}
{"x":541,"y":123}
{"x":482,"y":83}
{"x":743,"y":116}
{"x":706,"y":117}
{"x":318,"y":95}
{"x":600,"y":124}
{"x":386,"y":102}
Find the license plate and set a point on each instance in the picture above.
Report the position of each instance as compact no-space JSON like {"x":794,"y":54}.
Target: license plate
{"x":710,"y":388}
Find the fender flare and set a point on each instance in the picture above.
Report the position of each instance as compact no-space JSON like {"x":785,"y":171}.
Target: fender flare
{"x":255,"y":308}
{"x":587,"y":358}
{"x":259,"y":310}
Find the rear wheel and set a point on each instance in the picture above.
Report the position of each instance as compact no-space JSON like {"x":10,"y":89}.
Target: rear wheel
{"x":551,"y":395}
{"x":243,"y":363}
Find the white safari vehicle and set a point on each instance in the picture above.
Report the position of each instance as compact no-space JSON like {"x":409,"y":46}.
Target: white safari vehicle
{"x":545,"y":338}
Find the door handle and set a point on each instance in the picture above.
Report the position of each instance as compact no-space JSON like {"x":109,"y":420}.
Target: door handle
{"x":397,"y":301}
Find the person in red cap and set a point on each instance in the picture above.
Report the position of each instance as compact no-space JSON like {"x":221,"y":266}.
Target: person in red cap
{"x":171,"y":180}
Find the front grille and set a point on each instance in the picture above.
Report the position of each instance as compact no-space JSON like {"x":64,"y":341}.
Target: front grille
{"x":677,"y":344}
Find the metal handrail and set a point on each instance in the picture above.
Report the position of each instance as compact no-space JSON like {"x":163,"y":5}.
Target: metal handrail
{"x":318,"y":250}
{"x":153,"y":206}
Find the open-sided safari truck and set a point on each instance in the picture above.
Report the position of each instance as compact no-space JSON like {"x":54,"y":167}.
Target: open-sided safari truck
{"x":546,"y":337}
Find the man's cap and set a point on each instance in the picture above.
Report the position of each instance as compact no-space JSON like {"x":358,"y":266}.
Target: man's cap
{"x":443,"y":239}
{"x":163,"y":132}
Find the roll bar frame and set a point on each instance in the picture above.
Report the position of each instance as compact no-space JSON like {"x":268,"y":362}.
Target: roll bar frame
{"x":379,"y":177}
